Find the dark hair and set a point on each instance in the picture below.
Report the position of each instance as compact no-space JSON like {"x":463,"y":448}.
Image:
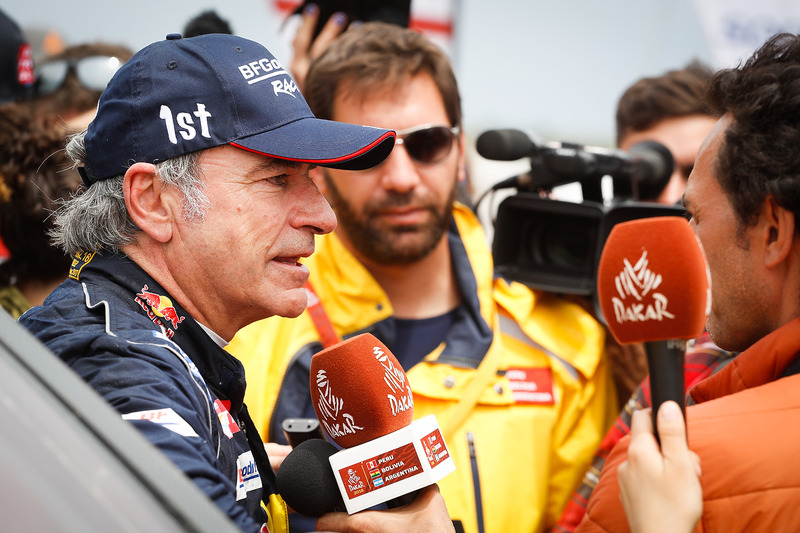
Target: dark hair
{"x":676,"y":93}
{"x":35,"y":175}
{"x":378,"y":57}
{"x":760,"y":155}
{"x":207,"y":22}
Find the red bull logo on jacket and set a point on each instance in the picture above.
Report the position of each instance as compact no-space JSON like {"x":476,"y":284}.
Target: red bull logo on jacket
{"x":160,"y":310}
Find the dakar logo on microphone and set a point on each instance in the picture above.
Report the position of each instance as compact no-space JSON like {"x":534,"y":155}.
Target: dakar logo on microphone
{"x":400,"y":396}
{"x":354,"y":482}
{"x":638,"y":281}
{"x":329,"y":405}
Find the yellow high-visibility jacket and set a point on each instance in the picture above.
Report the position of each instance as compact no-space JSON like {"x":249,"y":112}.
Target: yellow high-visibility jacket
{"x":520,"y":386}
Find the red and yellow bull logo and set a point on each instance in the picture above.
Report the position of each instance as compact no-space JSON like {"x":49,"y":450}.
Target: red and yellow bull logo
{"x":159,"y":309}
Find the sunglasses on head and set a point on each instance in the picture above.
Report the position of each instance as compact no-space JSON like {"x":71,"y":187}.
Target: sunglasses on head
{"x":427,"y":144}
{"x":93,"y":72}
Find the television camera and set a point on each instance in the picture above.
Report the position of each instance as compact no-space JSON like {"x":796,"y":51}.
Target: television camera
{"x":555,"y":245}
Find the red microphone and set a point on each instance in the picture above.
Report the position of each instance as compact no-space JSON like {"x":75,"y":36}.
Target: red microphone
{"x":653,"y":287}
{"x":363,"y":401}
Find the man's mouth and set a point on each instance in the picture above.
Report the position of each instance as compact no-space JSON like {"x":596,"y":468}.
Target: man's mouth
{"x":293,"y":260}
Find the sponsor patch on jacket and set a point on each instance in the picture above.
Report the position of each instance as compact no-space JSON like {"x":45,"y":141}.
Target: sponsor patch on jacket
{"x":79,"y":260}
{"x":229,"y":425}
{"x":248,"y":477}
{"x":160,"y":310}
{"x":167,"y":418}
{"x":531,"y":386}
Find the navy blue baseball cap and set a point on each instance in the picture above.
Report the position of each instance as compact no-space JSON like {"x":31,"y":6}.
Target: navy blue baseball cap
{"x":179,"y":96}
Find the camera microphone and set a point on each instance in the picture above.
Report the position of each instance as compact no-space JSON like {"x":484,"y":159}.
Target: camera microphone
{"x":504,"y":145}
{"x":641,"y":172}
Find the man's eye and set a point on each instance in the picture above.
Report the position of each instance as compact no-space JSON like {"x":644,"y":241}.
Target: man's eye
{"x":278,"y":181}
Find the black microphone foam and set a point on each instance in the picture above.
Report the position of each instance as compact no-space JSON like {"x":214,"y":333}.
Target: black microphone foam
{"x":504,"y":145}
{"x":306,"y":481}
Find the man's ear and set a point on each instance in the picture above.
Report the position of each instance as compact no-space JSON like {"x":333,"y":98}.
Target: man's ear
{"x":148,"y":201}
{"x":777,"y":232}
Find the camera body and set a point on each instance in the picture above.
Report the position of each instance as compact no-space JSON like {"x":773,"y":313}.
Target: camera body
{"x":554,"y":245}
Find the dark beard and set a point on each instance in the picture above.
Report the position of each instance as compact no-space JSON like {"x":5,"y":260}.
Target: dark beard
{"x":392,"y":245}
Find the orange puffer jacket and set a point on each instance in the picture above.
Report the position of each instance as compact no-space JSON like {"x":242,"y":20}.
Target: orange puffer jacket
{"x":746,"y":430}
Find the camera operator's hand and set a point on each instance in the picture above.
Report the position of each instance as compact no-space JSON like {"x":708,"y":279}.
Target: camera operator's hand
{"x":306,"y":48}
{"x":427,"y":512}
{"x":660,"y":489}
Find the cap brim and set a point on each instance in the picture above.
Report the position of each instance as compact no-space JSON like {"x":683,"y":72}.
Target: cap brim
{"x":323,"y":142}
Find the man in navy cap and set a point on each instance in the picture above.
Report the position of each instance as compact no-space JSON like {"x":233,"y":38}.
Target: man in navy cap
{"x":197,"y":210}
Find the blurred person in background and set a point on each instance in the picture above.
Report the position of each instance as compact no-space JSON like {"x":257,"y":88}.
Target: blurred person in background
{"x":43,"y":106}
{"x":671,"y":110}
{"x":205,"y":22}
{"x":16,"y":74}
{"x":412,"y":266}
{"x":69,"y":84}
{"x":35,"y":176}
{"x":16,"y":62}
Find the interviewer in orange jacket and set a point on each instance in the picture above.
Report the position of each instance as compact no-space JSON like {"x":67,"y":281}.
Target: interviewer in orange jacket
{"x":744,"y":198}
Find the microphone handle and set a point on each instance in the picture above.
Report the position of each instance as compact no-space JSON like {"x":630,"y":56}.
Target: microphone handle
{"x":665,"y":362}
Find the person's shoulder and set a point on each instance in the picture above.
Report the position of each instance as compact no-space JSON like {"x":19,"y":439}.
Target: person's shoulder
{"x":559,"y":327}
{"x":604,"y":510}
{"x":63,"y":313}
{"x":771,"y":408}
{"x":525,"y":303}
{"x":80,"y":318}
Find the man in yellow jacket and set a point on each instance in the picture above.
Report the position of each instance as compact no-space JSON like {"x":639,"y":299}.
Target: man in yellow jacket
{"x":516,"y":378}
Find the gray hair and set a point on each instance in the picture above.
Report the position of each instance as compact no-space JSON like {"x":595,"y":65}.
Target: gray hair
{"x":96,"y":217}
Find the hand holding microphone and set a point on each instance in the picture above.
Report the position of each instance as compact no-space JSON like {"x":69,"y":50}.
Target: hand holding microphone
{"x":652,"y":285}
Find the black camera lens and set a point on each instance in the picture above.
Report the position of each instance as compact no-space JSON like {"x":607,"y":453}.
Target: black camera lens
{"x":547,"y":244}
{"x":563,"y":243}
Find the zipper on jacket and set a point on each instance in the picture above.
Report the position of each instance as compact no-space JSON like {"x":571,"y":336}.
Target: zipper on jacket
{"x":476,"y":481}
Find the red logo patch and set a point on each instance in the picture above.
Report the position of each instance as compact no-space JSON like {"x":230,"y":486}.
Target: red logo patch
{"x":159,"y":309}
{"x":531,"y":386}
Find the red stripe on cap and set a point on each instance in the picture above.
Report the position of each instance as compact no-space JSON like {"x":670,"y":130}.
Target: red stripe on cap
{"x":353,"y":155}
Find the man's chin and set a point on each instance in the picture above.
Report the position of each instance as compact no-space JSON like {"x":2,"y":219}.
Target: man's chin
{"x":293,"y":304}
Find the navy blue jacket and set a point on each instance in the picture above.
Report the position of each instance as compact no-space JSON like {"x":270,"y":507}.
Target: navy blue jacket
{"x":117,"y":328}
